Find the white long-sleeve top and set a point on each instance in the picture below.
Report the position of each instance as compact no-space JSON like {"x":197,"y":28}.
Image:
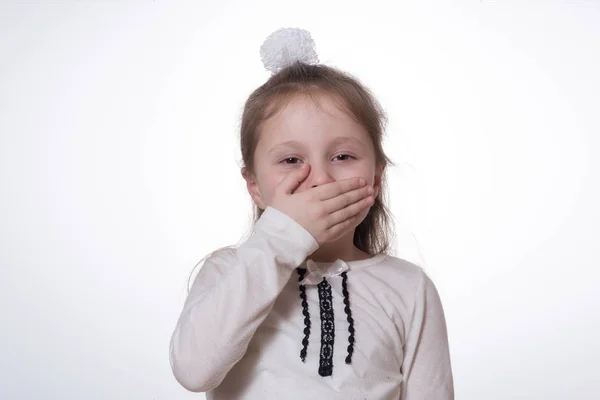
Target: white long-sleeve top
{"x":240,"y":332}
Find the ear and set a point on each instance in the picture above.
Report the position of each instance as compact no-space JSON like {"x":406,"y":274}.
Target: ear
{"x":253,"y":189}
{"x":377,"y":181}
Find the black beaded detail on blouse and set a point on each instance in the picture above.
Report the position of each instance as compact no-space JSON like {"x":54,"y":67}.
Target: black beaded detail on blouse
{"x":327,"y":322}
{"x":301,"y":273}
{"x":327,"y":329}
{"x":349,"y":315}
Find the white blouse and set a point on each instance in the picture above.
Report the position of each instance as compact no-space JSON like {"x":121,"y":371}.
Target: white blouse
{"x":240,"y":333}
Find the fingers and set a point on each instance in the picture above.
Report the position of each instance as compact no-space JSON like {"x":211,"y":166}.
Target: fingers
{"x":341,"y":215}
{"x":337,"y":188}
{"x":346,"y":199}
{"x":337,"y":231}
{"x":294,"y":179}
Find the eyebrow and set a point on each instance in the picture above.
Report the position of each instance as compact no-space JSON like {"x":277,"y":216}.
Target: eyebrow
{"x":337,"y":140}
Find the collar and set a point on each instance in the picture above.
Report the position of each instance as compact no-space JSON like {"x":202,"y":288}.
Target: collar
{"x":317,"y":273}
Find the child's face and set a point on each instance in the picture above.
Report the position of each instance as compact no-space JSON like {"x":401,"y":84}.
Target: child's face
{"x":335,"y":146}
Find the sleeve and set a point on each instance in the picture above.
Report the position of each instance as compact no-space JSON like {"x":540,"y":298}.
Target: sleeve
{"x":231,"y":296}
{"x":426,"y":366}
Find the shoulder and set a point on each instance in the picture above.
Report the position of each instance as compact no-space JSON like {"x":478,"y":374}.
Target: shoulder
{"x":397,"y":268}
{"x":215,"y":263}
{"x":400,"y":275}
{"x":219,"y":257}
{"x":223,"y":253}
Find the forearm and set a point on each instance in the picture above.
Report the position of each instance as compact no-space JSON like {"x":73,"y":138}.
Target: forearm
{"x":225,"y":308}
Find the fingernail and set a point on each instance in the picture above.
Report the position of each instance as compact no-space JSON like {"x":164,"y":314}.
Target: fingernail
{"x":362,"y":182}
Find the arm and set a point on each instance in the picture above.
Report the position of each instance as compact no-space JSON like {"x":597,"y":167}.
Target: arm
{"x":426,"y":367}
{"x":231,"y":296}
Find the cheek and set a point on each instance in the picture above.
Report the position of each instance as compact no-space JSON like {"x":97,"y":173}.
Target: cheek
{"x":361,"y":171}
{"x":270,"y":185}
{"x":363,"y":214}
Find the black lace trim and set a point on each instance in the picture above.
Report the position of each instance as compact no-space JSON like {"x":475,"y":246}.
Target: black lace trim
{"x":327,"y":322}
{"x":301,"y":273}
{"x":350,"y":319}
{"x":327,"y":329}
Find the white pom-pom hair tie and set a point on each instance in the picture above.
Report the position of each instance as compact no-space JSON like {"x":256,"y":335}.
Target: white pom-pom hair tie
{"x":286,"y":46}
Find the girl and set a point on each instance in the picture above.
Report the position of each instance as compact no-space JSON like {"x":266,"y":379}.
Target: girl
{"x":312,"y":306}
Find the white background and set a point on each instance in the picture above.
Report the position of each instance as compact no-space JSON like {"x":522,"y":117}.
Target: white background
{"x":120,"y":167}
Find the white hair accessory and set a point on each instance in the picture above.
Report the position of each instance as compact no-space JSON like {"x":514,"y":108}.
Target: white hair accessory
{"x":286,"y":46}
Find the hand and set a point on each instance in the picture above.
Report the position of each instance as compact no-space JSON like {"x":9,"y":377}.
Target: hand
{"x":328,"y":211}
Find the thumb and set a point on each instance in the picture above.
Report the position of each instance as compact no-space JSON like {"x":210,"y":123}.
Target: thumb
{"x":292,"y":181}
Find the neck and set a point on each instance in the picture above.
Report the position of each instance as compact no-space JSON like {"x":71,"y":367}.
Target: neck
{"x":342,"y":248}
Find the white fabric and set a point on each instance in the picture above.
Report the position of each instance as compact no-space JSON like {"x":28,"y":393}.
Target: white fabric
{"x":240,"y":332}
{"x":316,"y":273}
{"x":286,"y":46}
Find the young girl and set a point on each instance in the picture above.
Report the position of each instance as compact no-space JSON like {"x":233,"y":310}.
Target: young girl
{"x":311,"y":306}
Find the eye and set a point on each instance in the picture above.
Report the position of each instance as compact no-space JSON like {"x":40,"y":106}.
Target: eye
{"x":284,"y":161}
{"x":289,"y":158}
{"x":345,"y":155}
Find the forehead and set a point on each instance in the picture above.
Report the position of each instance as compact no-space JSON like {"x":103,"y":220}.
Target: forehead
{"x":318,"y":120}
